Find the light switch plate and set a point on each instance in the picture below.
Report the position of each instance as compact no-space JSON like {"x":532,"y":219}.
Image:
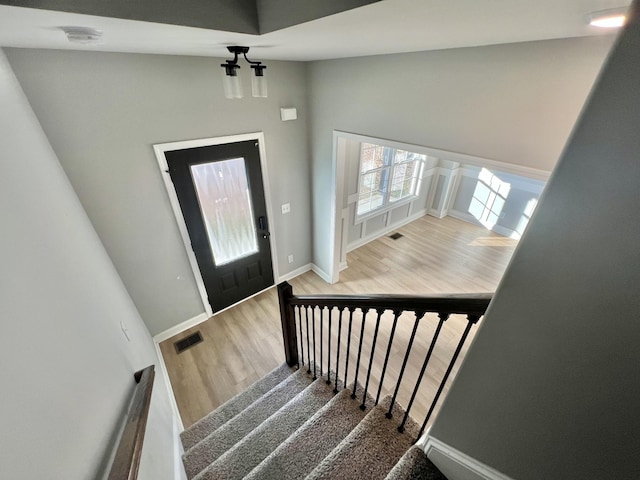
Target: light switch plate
{"x":288,"y":114}
{"x":286,"y":208}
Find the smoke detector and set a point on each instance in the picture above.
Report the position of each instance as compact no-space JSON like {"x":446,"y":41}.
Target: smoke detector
{"x":83,"y":35}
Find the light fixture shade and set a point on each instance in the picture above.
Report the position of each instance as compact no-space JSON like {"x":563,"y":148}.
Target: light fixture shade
{"x":231,"y":81}
{"x":259,"y":85}
{"x":232,"y":86}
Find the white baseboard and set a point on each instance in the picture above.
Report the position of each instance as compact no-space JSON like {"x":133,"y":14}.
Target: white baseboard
{"x":178,"y":426}
{"x":178,"y":467}
{"x":440,"y":215}
{"x":181,"y":327}
{"x":422,"y":441}
{"x":449,"y":459}
{"x":505,"y":232}
{"x":465,"y":217}
{"x":162,"y":367}
{"x":381,"y":233}
{"x":198,"y":319}
{"x":321,"y":273}
{"x":295,"y":273}
{"x":343,"y":266}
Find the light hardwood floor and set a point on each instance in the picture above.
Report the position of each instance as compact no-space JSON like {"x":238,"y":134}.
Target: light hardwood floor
{"x":244,"y":343}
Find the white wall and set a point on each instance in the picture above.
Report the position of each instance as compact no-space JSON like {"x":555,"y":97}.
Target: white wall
{"x":469,"y":202}
{"x":512,"y":103}
{"x":549,"y":389}
{"x":66,"y":367}
{"x":102,"y":113}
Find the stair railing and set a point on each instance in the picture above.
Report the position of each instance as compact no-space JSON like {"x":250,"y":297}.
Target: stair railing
{"x":126,"y":462}
{"x":299,"y":314}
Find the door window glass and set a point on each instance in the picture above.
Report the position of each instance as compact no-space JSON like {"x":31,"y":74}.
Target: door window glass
{"x":225,"y":201}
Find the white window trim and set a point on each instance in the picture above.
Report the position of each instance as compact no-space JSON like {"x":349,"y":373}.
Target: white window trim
{"x":387,"y":204}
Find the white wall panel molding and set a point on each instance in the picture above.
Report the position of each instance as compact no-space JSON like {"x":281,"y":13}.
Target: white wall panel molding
{"x":444,"y":189}
{"x":381,"y":233}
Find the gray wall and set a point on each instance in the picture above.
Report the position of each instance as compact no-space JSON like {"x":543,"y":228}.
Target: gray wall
{"x":229,"y":15}
{"x":67,"y":368}
{"x":550,"y":387}
{"x":102,"y":113}
{"x":277,"y":14}
{"x":513,"y":103}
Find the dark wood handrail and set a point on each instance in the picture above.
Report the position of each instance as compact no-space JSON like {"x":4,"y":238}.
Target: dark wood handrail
{"x":472,"y":304}
{"x":127,"y":459}
{"x":468,"y":304}
{"x":314,"y":307}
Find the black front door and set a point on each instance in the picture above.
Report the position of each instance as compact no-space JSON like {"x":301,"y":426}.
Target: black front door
{"x":221,"y":196}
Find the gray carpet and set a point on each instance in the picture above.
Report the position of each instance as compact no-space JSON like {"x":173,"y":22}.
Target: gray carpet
{"x":234,"y":406}
{"x":414,"y":465}
{"x":298,"y":428}
{"x":255,"y":447}
{"x":300,"y":453}
{"x":371,"y":449}
{"x":215,"y":444}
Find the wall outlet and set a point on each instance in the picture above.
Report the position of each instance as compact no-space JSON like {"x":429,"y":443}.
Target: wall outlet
{"x":286,"y":208}
{"x":290,"y":258}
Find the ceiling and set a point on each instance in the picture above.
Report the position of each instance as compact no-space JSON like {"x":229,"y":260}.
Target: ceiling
{"x":388,"y":26}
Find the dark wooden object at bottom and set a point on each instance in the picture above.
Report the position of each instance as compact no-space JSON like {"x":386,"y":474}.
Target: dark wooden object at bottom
{"x":127,"y":460}
{"x":287,"y":316}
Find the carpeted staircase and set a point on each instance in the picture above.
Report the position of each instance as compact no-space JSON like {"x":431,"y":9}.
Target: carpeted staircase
{"x":288,"y":426}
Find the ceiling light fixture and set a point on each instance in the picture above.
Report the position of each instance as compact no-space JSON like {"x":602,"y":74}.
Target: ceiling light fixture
{"x":610,"y":18}
{"x":83,"y":35}
{"x":231,"y":81}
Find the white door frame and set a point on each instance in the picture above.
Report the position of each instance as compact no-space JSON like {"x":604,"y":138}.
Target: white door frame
{"x":160,"y":150}
{"x":337,"y":224}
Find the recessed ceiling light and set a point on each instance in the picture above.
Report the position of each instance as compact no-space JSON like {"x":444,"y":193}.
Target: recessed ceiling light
{"x":82,"y":35}
{"x":610,"y":18}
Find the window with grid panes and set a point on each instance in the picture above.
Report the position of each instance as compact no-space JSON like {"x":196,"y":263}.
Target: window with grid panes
{"x":387,"y":176}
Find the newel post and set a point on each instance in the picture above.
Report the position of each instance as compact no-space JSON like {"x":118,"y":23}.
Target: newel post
{"x":288,"y":319}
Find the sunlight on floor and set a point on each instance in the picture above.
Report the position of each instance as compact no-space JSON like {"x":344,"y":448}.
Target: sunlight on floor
{"x":493,"y":242}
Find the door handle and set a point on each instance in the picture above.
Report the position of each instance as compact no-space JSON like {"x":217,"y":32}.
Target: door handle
{"x":262,"y":225}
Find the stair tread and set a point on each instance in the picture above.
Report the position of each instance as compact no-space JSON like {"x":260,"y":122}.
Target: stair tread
{"x":414,"y":465}
{"x":205,"y":452}
{"x":309,"y":445}
{"x":371,"y":450}
{"x":238,"y":461}
{"x":214,"y":420}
